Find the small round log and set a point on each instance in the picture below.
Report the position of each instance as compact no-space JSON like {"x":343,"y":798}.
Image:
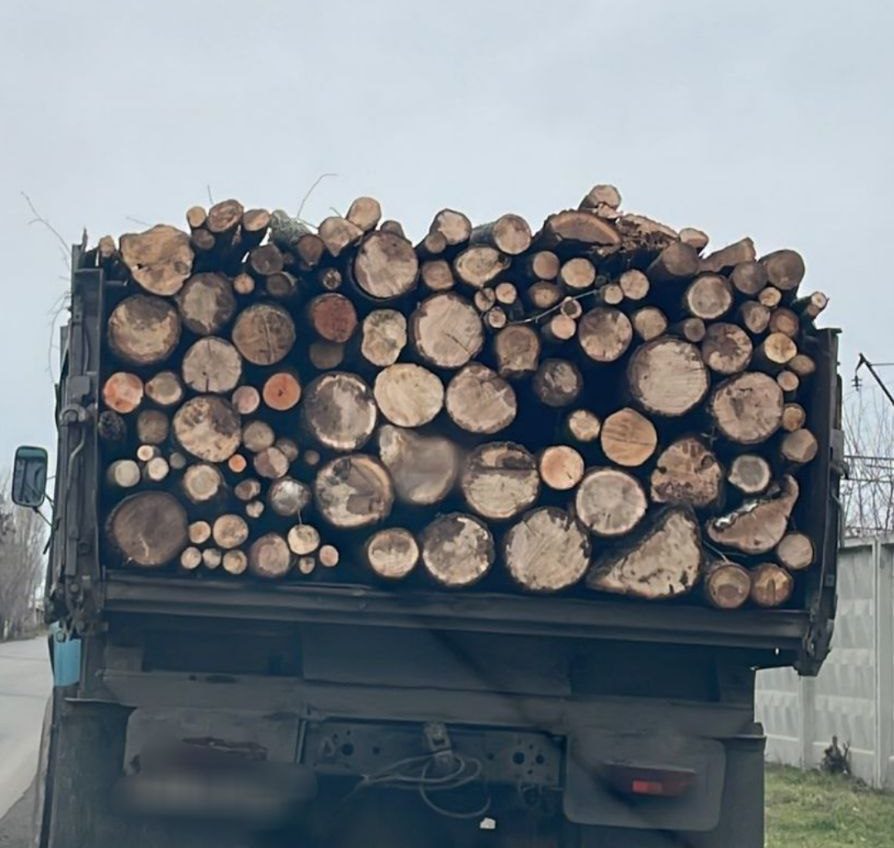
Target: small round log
{"x":408,"y":395}
{"x":604,"y":334}
{"x":123,"y":473}
{"x":610,"y":502}
{"x":199,"y":532}
{"x":122,"y":392}
{"x":750,"y":473}
{"x":235,"y":562}
{"x":794,"y":417}
{"x":143,"y":330}
{"x":325,"y":355}
{"x":544,"y":295}
{"x":264,"y":333}
{"x":202,"y":483}
{"x":255,"y":509}
{"x":206,"y":303}
{"x":190,"y":558}
{"x":269,"y":557}
{"x":795,"y":551}
{"x":212,"y":558}
{"x":583,"y":426}
{"x":687,"y":472}
{"x":749,"y":278}
{"x":561,"y":467}
{"x":247,"y":490}
{"x":339,"y":411}
{"x":111,"y":427}
{"x":446,"y":330}
{"x":288,"y":448}
{"x":577,"y":274}
{"x":634,"y":284}
{"x":500,"y":480}
{"x":649,"y":323}
{"x":365,"y":213}
{"x":385,"y":265}
{"x":691,"y":329}
{"x":454,"y":226}
{"x":542,"y":265}
{"x":303,"y":539}
{"x":289,"y":497}
{"x":478,"y":400}
{"x":243,"y":284}
{"x":727,"y":585}
{"x":353,"y":491}
{"x":391,"y":553}
{"x":212,"y":365}
{"x":156,"y":469}
{"x":148,"y":528}
{"x":164,"y":388}
{"x":785,"y":321}
{"x":547,"y":550}
{"x":281,"y":391}
{"x":328,"y":556}
{"x":628,"y":438}
{"x":224,"y":217}
{"x":558,"y":382}
{"x":517,"y":351}
{"x":770,"y":297}
{"x":788,"y":381}
{"x":510,"y":234}
{"x":338,"y":233}
{"x":437,"y":275}
{"x":257,"y":435}
{"x":754,"y":316}
{"x":457,"y":550}
{"x":771,"y":585}
{"x":667,"y":377}
{"x":677,"y":261}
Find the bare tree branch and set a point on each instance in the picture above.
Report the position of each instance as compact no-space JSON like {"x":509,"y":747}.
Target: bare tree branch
{"x":39,"y":219}
{"x":310,"y":191}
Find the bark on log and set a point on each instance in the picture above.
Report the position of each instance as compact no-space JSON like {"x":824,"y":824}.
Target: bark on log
{"x":457,"y":550}
{"x":339,"y":411}
{"x":771,"y":586}
{"x":628,"y":438}
{"x":747,"y":408}
{"x":558,"y":382}
{"x":517,"y":351}
{"x":206,"y":303}
{"x":510,"y":234}
{"x":750,"y":473}
{"x":770,"y":297}
{"x":785,"y":321}
{"x":649,"y":323}
{"x":264,"y":333}
{"x":408,"y":395}
{"x":610,"y":502}
{"x":159,"y":260}
{"x":754,"y":316}
{"x":148,"y":528}
{"x":353,"y":491}
{"x":578,"y":228}
{"x":365,"y":213}
{"x":289,"y":497}
{"x":542,"y":265}
{"x":758,"y":525}
{"x":391,"y":553}
{"x":709,"y":297}
{"x":500,"y":480}
{"x":269,"y":557}
{"x":454,"y":226}
{"x":446,"y":330}
{"x":281,"y":391}
{"x":775,"y":351}
{"x":229,"y":531}
{"x":812,"y":306}
{"x":437,"y":275}
{"x":641,"y":233}
{"x":281,"y":285}
{"x":265,"y":260}
{"x":212,"y":365}
{"x":665,"y":561}
{"x":258,"y":436}
{"x":332,"y":317}
{"x":667,"y":377}
{"x":544,"y":295}
{"x":749,"y":278}
{"x":478,"y":400}
{"x":164,"y":388}
{"x":338,"y":233}
{"x":785,"y":269}
{"x":727,"y":585}
{"x":678,"y":261}
{"x":423,"y":468}
{"x":799,"y":446}
{"x":384,"y":336}
{"x":695,"y":238}
{"x":293,"y":236}
{"x":324,"y":356}
{"x":726,"y":348}
{"x":385,"y":266}
{"x":253,"y":227}
{"x":202,"y":483}
{"x":794,"y":417}
{"x":635,"y":284}
{"x":110,"y":426}
{"x":153,"y":427}
{"x":577,"y":274}
{"x":561,"y":467}
{"x":479,"y":265}
{"x":604,"y":334}
{"x":208,"y":428}
{"x":271,"y":463}
{"x":687,"y":472}
{"x":143,"y":330}
{"x":330,"y":279}
{"x":583,"y":426}
{"x":123,"y":473}
{"x":122,"y":392}
{"x":728,"y":257}
{"x":795,"y":551}
{"x":547,"y":550}
{"x":303,"y":539}
{"x":691,"y":329}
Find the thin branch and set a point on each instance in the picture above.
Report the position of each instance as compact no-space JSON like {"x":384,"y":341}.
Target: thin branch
{"x":310,"y":191}
{"x":39,"y":219}
{"x":210,"y":198}
{"x":137,"y":221}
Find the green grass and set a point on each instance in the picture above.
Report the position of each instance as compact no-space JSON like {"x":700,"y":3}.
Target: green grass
{"x":815,"y":810}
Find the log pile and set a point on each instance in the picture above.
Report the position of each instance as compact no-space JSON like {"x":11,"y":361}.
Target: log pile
{"x":599,"y":403}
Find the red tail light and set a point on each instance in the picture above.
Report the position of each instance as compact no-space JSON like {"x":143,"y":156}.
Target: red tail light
{"x":652,"y":781}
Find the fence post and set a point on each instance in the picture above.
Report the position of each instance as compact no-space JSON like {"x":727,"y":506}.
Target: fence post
{"x":883,"y":610}
{"x":807,"y":719}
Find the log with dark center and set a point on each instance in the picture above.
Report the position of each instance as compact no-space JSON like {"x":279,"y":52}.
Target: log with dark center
{"x":457,"y":550}
{"x":727,"y":585}
{"x":687,"y":472}
{"x":610,"y":502}
{"x":558,"y":382}
{"x":547,"y":550}
{"x":437,"y":275}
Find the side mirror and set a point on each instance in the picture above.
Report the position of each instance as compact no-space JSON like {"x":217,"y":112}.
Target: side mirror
{"x":29,"y":477}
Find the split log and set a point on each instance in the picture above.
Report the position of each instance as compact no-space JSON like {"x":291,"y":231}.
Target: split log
{"x":208,"y":428}
{"x":243,"y":284}
{"x":384,"y":336}
{"x":325,"y":356}
{"x":148,"y":528}
{"x":728,"y":257}
{"x":788,"y":381}
{"x":604,"y":334}
{"x":258,"y":436}
{"x":235,"y":562}
{"x":339,"y":411}
{"x":785,"y":269}
{"x":159,"y":260}
{"x":771,"y":586}
{"x":156,"y":469}
{"x":202,"y":483}
{"x":561,"y":467}
{"x":500,"y":480}
{"x":199,"y":532}
{"x":122,"y":392}
{"x":754,"y":316}
{"x":143,"y":330}
{"x":578,"y":228}
{"x":229,"y":531}
{"x":303,"y":539}
{"x":264,"y":333}
{"x":542,"y":265}
{"x":479,"y":265}
{"x":289,"y":497}
{"x":678,"y":261}
{"x":747,"y":408}
{"x":758,"y":525}
{"x":544,"y":295}
{"x":457,"y":550}
{"x":437,"y":275}
{"x":423,"y":468}
{"x":727,"y":585}
{"x":634,"y":284}
{"x":517,"y":351}
{"x":190,"y":558}
{"x":610,"y":502}
{"x":583,"y":426}
{"x":775,"y":351}
{"x":164,"y":388}
{"x":328,"y":556}
{"x":785,"y":321}
{"x":247,"y":490}
{"x":206,"y":303}
{"x":794,"y":417}
{"x":749,"y":278}
{"x":212,"y":558}
{"x":750,"y":473}
{"x":799,"y":446}
{"x":649,"y":323}
{"x":295,"y":237}
{"x":408,"y":395}
{"x":212,"y":365}
{"x":385,"y":265}
{"x":123,"y":473}
{"x":391,"y":553}
{"x":558,"y":382}
{"x":812,"y":306}
{"x":510,"y":234}
{"x":353,"y":491}
{"x":667,"y":377}
{"x":695,"y":238}
{"x":332,"y":317}
{"x":478,"y":400}
{"x":770,"y":297}
{"x":687,"y":472}
{"x":577,"y":274}
{"x":269,"y":556}
{"x":281,"y":391}
{"x":365,"y":213}
{"x":446,"y":330}
{"x":271,"y":463}
{"x":338,"y":233}
{"x":628,"y":438}
{"x":726,"y":348}
{"x":709,"y":297}
{"x":665,"y":561}
{"x":795,"y":551}
{"x":547,"y":550}
{"x":111,"y":427}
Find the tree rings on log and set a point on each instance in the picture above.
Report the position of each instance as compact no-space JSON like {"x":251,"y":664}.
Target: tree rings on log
{"x":206,"y":303}
{"x":500,"y":480}
{"x":149,"y":528}
{"x":385,"y":266}
{"x":628,"y":438}
{"x":457,"y":550}
{"x":479,"y":401}
{"x":667,"y":377}
{"x":687,"y":473}
{"x":446,"y":330}
{"x":610,"y":502}
{"x":408,"y":395}
{"x":264,"y":333}
{"x":208,"y":428}
{"x":547,"y":550}
{"x":353,"y":491}
{"x":339,"y":411}
{"x":392,"y":553}
{"x":561,"y":467}
{"x":143,"y":330}
{"x":212,"y":365}
{"x":160,"y":259}
{"x":748,"y":408}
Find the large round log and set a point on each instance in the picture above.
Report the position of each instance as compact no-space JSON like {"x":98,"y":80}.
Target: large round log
{"x":206,"y":303}
{"x":446,"y":330}
{"x":479,"y":265}
{"x":143,"y":330}
{"x":785,"y":269}
{"x":339,"y":411}
{"x":558,"y":382}
{"x":667,"y":377}
{"x":757,"y":526}
{"x":628,"y":438}
{"x":208,"y":428}
{"x":160,"y":259}
{"x":687,"y":472}
{"x":500,"y":480}
{"x":747,"y":408}
{"x":354,"y":491}
{"x":149,"y":528}
{"x":547,"y":550}
{"x":212,"y":365}
{"x":264,"y":333}
{"x":517,"y":351}
{"x":423,"y":468}
{"x":610,"y":502}
{"x":408,"y":394}
{"x":385,"y":266}
{"x":384,"y":336}
{"x":391,"y":553}
{"x":604,"y":334}
{"x":726,"y":348}
{"x":269,"y":556}
{"x":457,"y":550}
{"x":229,"y":531}
{"x":510,"y":234}
{"x":708,"y":297}
{"x":478,"y":400}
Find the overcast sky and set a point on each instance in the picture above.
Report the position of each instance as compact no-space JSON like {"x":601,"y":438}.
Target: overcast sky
{"x":762,"y":118}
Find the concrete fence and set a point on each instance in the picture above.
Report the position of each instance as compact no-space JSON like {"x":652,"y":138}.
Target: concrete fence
{"x":853,"y":696}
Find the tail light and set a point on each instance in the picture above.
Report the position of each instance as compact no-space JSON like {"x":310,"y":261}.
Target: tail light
{"x":649,"y":781}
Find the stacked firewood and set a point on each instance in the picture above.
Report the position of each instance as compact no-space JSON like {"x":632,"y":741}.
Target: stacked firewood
{"x":600,"y":402}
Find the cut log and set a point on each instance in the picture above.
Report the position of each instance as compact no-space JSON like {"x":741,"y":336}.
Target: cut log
{"x":500,"y":480}
{"x":338,"y":233}
{"x":212,"y":365}
{"x":424,"y":468}
{"x":111,"y":427}
{"x":771,"y":586}
{"x":750,"y":473}
{"x":544,"y":295}
{"x":507,"y":294}
{"x":212,"y":558}
{"x":303,"y":539}
{"x":328,"y":556}
{"x":159,"y":260}
{"x":365,"y":213}
{"x":649,"y":323}
{"x":143,"y":330}
{"x":391,"y":553}
{"x":196,"y":217}
{"x":794,"y":417}
{"x":152,"y":427}
{"x":678,"y":261}
{"x":812,"y":306}
{"x":202,"y":241}
{"x":264,"y":333}
{"x":295,"y":237}
{"x":148,"y":528}
{"x":446,"y":330}
{"x":600,"y":199}
{"x":306,"y":565}
{"x":311,"y":458}
{"x":747,"y":408}
{"x":434,"y":244}
{"x":247,"y":490}
{"x":799,"y":446}
{"x":664,"y":562}
{"x":289,"y":497}
{"x":577,"y":274}
{"x":325,"y":356}
{"x":164,"y":388}
{"x":146,"y":452}
{"x":583,"y":426}
{"x":604,"y":334}
{"x":559,"y":328}
{"x":229,"y":531}
{"x":190,"y":558}
{"x":628,"y":438}
{"x":243,"y":284}
{"x":727,"y":585}
{"x":561,"y":467}
{"x":281,"y":285}
{"x":758,"y":525}
{"x":457,"y":550}
{"x":479,"y":265}
{"x":332,"y":317}
{"x":691,"y":329}
{"x":749,"y":278}
{"x":269,"y":557}
{"x":255,"y":223}
{"x":123,"y":473}
{"x":384,"y":336}
{"x":578,"y":228}
{"x":258,"y":436}
{"x":547,"y":550}
{"x":687,"y":473}
{"x":478,"y":400}
{"x":271,"y":463}
{"x":641,"y":233}
{"x":795,"y":551}
{"x":330,"y":279}
{"x":122,"y":392}
{"x":237,"y":463}
{"x":206,"y":303}
{"x":770,"y":297}
{"x":695,"y":238}
{"x":408,"y":395}
{"x":235,"y":562}
{"x":385,"y":266}
{"x":542,"y":265}
{"x":785,"y":269}
{"x":255,"y":509}
{"x":339,"y":411}
{"x":558,"y":382}
{"x":726,"y":348}
{"x":728,"y":257}
{"x":667,"y":377}
{"x":454,"y":226}
{"x":611,"y":294}
{"x":208,"y":428}
{"x":610,"y":502}
{"x":788,"y":381}
{"x":353,"y":491}
{"x":709,"y":297}
{"x":437,"y":275}
{"x":281,"y":391}
{"x":202,"y":483}
{"x":775,"y":351}
{"x":510,"y":234}
{"x":754,"y":316}
{"x":634,"y":284}
{"x":484,"y":299}
{"x":199,"y":532}
{"x":224,"y":217}
{"x":785,"y":321}
{"x":517,"y":351}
